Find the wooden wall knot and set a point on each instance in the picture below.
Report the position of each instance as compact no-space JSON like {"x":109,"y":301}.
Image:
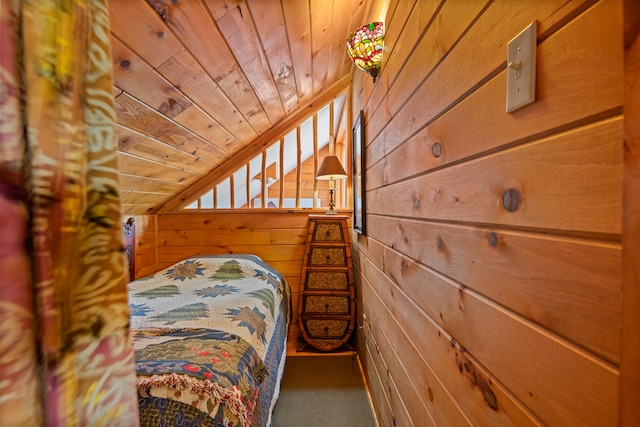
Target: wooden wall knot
{"x":476,"y":377}
{"x":511,"y":200}
{"x":284,"y":71}
{"x":404,"y":266}
{"x":162,"y":8}
{"x":493,"y":239}
{"x":436,"y":150}
{"x":440,"y":243}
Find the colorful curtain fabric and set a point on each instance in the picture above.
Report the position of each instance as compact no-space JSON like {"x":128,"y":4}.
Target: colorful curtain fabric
{"x":65,"y":353}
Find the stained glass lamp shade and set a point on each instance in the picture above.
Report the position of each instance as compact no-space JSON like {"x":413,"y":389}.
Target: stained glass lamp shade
{"x":365,"y":47}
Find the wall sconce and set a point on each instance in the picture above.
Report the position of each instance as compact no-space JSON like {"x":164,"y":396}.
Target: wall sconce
{"x":365,"y":47}
{"x":331,"y":169}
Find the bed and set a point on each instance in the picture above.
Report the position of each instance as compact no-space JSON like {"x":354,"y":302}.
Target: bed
{"x":209,"y":335}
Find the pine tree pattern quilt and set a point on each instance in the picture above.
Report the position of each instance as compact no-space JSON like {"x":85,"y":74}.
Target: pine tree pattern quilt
{"x":210,"y":341}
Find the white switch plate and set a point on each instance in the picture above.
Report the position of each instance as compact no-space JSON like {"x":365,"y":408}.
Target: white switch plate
{"x":521,"y":69}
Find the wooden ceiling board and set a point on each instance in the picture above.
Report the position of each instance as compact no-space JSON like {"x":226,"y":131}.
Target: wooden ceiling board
{"x":338,"y":56}
{"x":140,"y":28}
{"x":185,"y":72}
{"x":270,"y":27}
{"x":239,"y":31}
{"x":199,"y":84}
{"x":322,"y":14}
{"x":298,"y":23}
{"x":356,"y":19}
{"x":147,"y":148}
{"x":134,"y":115}
{"x":130,"y":197}
{"x":200,"y":123}
{"x":138,"y":184}
{"x":137,"y":78}
{"x":193,"y":25}
{"x":128,"y":209}
{"x":141,"y":167}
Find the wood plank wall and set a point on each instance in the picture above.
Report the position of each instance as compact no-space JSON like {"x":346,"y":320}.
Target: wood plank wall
{"x":490,"y":278}
{"x":278,"y":237}
{"x":630,"y":357}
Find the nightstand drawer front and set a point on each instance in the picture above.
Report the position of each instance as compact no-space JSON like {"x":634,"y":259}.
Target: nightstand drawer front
{"x":328,"y":232}
{"x":326,"y":328}
{"x":316,"y":304}
{"x":327,"y":281}
{"x":327,"y":256}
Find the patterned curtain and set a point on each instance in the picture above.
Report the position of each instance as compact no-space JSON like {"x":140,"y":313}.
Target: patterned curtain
{"x":65,"y":352}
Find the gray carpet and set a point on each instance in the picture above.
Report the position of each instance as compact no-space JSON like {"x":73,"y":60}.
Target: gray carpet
{"x":321,"y":391}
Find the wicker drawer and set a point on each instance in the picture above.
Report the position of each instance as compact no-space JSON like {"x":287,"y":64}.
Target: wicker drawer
{"x":327,"y":256}
{"x":328,"y":232}
{"x":327,"y":280}
{"x":317,"y":304}
{"x":326,"y":328}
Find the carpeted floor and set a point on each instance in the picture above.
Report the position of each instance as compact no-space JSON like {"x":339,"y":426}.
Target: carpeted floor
{"x":321,"y":391}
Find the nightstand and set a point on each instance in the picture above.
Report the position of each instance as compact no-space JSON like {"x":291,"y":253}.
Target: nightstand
{"x":326,"y":309}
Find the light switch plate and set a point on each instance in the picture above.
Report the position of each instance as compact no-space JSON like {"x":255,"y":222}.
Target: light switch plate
{"x":521,"y":69}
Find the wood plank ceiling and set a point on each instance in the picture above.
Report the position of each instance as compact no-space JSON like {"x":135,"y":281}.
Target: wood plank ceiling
{"x":199,"y":81}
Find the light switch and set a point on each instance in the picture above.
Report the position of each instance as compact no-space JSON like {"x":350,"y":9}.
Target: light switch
{"x":521,"y":69}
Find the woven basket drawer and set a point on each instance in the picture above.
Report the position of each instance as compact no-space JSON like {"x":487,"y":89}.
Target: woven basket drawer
{"x":325,"y":280}
{"x":327,"y":344}
{"x":328,"y":256}
{"x":316,"y":304}
{"x":328,"y":232}
{"x":326,"y":328}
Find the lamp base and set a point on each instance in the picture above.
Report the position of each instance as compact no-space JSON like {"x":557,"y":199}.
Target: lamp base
{"x":332,"y":203}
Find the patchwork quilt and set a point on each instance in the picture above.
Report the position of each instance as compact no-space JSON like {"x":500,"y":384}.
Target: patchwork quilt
{"x":210,"y":341}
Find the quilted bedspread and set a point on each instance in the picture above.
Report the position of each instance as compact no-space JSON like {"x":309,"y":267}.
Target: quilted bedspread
{"x":209,"y":339}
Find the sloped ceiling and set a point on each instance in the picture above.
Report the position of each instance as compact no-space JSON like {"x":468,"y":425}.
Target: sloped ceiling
{"x":197,"y":82}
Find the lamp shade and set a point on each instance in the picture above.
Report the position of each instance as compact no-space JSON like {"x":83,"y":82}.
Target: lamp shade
{"x":365,"y":47}
{"x":331,"y":169}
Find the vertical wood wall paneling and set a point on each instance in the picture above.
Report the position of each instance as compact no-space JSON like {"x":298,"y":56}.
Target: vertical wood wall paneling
{"x":511,"y":313}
